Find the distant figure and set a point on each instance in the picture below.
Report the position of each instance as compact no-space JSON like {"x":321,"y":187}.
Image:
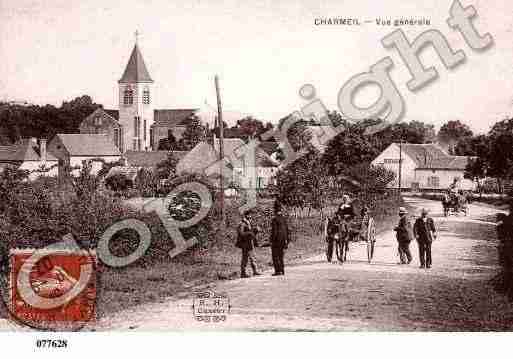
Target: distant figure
{"x":403,"y":235}
{"x":332,"y":234}
{"x":280,"y":238}
{"x":424,"y":232}
{"x":246,"y":241}
{"x":346,"y":209}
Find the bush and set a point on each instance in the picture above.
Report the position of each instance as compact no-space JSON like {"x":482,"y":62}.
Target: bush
{"x":118,"y":182}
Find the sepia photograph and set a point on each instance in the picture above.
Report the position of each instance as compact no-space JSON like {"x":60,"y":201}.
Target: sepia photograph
{"x":264,"y":169}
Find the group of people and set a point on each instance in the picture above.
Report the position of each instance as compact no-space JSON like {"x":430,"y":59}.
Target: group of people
{"x":424,"y":232}
{"x":278,"y":241}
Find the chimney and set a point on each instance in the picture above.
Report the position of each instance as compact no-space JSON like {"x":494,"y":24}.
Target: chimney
{"x":42,"y":149}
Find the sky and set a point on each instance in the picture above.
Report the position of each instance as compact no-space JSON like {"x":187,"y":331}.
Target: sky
{"x":263,"y":52}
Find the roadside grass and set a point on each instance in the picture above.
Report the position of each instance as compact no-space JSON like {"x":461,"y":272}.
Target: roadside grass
{"x":156,"y":277}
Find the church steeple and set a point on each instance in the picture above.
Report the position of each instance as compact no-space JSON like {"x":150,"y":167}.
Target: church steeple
{"x":135,"y":70}
{"x":136,"y":112}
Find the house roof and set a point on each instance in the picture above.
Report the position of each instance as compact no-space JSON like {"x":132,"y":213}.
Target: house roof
{"x":149,"y":158}
{"x":205,"y":154}
{"x":431,"y":156}
{"x":113,"y":113}
{"x":136,"y":70}
{"x":81,"y":144}
{"x":172,"y":117}
{"x":25,"y":150}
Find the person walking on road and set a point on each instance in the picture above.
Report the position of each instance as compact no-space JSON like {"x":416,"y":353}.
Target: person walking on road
{"x":246,"y":241}
{"x":425,"y":233}
{"x":403,"y":235}
{"x":280,"y":238}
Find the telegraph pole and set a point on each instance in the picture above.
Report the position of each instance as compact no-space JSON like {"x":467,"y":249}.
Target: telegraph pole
{"x":221,"y":150}
{"x":400,"y":163}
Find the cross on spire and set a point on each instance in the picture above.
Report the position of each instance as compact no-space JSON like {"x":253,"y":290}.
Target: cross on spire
{"x":137,"y":34}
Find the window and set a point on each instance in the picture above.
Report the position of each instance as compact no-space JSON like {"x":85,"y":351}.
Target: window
{"x":433,"y":182}
{"x":146,"y":96}
{"x":144,"y":129}
{"x":260,"y":182}
{"x":391,"y":160}
{"x":137,"y":126}
{"x":116,"y":137}
{"x":128,"y":96}
{"x":98,"y":121}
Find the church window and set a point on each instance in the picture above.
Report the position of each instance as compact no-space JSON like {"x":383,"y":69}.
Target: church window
{"x":144,"y":130}
{"x":146,"y":96}
{"x":137,"y":126}
{"x":128,"y":96}
{"x":117,"y":137}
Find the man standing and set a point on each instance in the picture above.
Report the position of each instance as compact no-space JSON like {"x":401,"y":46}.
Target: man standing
{"x":246,"y":241}
{"x":403,"y":235}
{"x":425,"y":232}
{"x":280,"y":238}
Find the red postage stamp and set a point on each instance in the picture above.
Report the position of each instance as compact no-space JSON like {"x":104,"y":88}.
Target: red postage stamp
{"x":53,"y":289}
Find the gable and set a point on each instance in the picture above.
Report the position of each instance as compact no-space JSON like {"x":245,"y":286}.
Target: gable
{"x":99,"y":119}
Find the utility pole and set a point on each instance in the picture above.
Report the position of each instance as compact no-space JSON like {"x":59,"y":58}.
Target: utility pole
{"x":221,"y":149}
{"x":400,"y":163}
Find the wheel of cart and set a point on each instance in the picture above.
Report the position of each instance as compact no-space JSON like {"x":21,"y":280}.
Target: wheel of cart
{"x":371,"y":239}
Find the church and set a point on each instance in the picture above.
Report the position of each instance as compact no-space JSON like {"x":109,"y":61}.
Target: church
{"x":136,"y":125}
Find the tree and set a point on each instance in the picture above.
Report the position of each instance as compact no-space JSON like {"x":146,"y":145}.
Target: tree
{"x":194,"y":133}
{"x":452,"y":132}
{"x":168,"y":143}
{"x":167,"y":168}
{"x":347,"y":149}
{"x":412,"y":132}
{"x":500,"y":159}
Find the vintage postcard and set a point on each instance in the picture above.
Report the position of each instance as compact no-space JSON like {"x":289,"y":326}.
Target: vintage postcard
{"x":266,"y":166}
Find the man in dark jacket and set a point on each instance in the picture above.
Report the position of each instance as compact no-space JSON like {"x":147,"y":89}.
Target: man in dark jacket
{"x":403,"y":235}
{"x":280,"y":238}
{"x":246,"y":241}
{"x":425,"y":232}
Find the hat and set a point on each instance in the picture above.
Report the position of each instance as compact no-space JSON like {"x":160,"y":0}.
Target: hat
{"x":424,"y":211}
{"x":402,"y":210}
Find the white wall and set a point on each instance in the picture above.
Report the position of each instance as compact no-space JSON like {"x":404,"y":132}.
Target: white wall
{"x":446,"y":178}
{"x":96,"y":166}
{"x":34,"y":165}
{"x":407,"y":169}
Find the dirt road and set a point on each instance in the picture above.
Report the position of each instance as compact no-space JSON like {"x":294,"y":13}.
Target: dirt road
{"x":455,"y":294}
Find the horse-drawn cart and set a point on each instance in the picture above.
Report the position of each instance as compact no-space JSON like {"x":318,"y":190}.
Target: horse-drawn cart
{"x":454,"y":203}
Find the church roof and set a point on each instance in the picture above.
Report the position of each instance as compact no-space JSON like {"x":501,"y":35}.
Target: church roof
{"x":136,"y":70}
{"x":173,"y":117}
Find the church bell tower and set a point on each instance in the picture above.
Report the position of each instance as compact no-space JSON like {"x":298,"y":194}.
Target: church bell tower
{"x":136,"y":104}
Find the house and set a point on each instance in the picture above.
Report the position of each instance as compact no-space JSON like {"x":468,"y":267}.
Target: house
{"x":205,"y":155}
{"x":31,"y":155}
{"x":136,"y":125}
{"x":149,"y":159}
{"x":423,"y":166}
{"x":72,"y":150}
{"x":103,"y":122}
